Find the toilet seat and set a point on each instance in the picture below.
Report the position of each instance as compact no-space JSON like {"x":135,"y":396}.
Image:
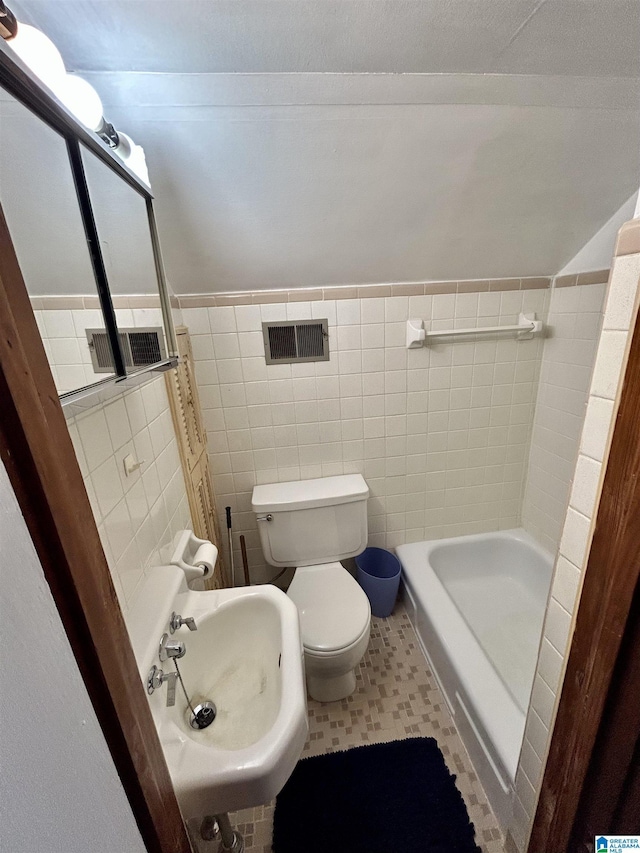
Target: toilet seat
{"x":334,"y":610}
{"x":318,"y":654}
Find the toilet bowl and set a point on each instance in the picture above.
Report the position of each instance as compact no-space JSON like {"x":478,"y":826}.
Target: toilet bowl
{"x":313,"y":524}
{"x":335,"y":621}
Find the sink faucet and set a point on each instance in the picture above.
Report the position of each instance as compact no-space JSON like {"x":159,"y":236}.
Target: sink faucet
{"x":170,"y":648}
{"x":157,"y":677}
{"x":177,"y":621}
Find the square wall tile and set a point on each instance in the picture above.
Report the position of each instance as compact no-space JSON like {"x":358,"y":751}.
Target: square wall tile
{"x":623,"y":293}
{"x":607,"y":372}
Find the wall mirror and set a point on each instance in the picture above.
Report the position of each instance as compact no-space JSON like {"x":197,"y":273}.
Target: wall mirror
{"x":40,"y":203}
{"x":122,"y":222}
{"x":83,"y":229}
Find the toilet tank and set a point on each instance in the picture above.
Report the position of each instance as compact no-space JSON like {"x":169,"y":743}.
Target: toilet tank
{"x":312,"y":521}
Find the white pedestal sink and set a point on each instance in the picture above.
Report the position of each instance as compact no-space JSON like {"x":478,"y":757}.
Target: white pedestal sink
{"x":246,"y":657}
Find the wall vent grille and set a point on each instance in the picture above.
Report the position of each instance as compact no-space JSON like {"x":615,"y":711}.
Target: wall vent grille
{"x":140,"y":348}
{"x":296,"y":341}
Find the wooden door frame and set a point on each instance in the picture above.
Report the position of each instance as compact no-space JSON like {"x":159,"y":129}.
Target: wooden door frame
{"x":37,"y":452}
{"x":611,"y":578}
{"x":609,"y":802}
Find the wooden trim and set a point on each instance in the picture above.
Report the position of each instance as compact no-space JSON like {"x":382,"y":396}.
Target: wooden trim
{"x":605,"y":806}
{"x":191,"y":435}
{"x":37,"y":451}
{"x":611,"y":577}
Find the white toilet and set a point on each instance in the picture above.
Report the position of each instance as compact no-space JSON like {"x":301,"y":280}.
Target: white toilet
{"x":312,"y":524}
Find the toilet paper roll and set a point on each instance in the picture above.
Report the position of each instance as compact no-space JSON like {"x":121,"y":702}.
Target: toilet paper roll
{"x":206,"y":557}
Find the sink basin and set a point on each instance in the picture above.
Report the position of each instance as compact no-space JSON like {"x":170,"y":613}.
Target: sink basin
{"x":246,"y":657}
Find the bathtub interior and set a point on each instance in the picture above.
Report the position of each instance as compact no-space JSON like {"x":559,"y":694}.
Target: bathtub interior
{"x":500,"y":585}
{"x":477,"y":603}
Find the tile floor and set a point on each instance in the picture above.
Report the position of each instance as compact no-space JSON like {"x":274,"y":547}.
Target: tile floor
{"x":396,"y":697}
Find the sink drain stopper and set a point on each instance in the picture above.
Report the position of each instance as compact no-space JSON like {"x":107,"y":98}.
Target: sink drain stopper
{"x":203,"y":715}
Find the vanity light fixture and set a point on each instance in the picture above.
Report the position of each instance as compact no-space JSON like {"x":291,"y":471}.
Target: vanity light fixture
{"x":82,"y":99}
{"x":39,"y":53}
{"x":43,"y":58}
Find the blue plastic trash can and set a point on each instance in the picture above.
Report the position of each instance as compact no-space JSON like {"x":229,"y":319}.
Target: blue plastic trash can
{"x":378,"y":573}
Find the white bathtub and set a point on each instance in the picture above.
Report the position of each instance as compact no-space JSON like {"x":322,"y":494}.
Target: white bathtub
{"x":477,"y":604}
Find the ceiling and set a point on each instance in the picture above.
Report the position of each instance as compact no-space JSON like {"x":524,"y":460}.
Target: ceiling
{"x":298,"y":143}
{"x":551,"y":37}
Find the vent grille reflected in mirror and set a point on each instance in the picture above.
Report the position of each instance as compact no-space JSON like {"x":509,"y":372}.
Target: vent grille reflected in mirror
{"x":296,"y":341}
{"x":140,"y":348}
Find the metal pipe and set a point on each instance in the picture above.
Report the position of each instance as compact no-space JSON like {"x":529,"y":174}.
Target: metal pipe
{"x":232,"y":841}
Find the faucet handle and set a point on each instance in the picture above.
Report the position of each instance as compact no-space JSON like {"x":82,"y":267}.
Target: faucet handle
{"x":170,"y":648}
{"x":157,"y":677}
{"x":177,"y":621}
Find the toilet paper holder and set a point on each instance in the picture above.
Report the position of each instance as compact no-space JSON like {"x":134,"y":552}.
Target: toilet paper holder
{"x":196,"y":557}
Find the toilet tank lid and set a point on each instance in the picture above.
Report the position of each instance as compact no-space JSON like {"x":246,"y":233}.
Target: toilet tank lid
{"x":305,"y":494}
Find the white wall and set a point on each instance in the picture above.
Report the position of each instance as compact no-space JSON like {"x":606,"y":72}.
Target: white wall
{"x":59,"y":789}
{"x":597,"y":253}
{"x":574,"y":321}
{"x":441,"y":434}
{"x":137,"y":516}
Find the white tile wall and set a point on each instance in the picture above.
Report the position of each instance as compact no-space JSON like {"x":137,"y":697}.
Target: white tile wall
{"x":575,"y":316}
{"x":619,"y":317}
{"x":441,"y":434}
{"x":64,"y":337}
{"x":139,"y":515}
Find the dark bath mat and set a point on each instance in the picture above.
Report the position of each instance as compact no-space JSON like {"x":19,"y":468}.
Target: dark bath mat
{"x":384,"y":798}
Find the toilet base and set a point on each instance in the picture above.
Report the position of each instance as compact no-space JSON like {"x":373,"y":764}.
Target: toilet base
{"x":331,"y":689}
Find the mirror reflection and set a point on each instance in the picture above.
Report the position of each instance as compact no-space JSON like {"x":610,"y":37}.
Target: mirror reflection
{"x":39,"y":200}
{"x":122,"y":222}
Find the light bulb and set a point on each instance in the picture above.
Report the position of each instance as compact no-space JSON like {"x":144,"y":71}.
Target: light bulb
{"x":39,"y":53}
{"x":82,"y":99}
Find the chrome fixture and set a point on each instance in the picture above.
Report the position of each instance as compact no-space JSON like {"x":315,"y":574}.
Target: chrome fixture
{"x":177,"y":621}
{"x":268,"y":517}
{"x":157,"y":677}
{"x":219,"y":826}
{"x":170,"y":648}
{"x":202,"y":715}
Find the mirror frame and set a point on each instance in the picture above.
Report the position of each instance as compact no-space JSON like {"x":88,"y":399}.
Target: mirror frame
{"x":26,"y":88}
